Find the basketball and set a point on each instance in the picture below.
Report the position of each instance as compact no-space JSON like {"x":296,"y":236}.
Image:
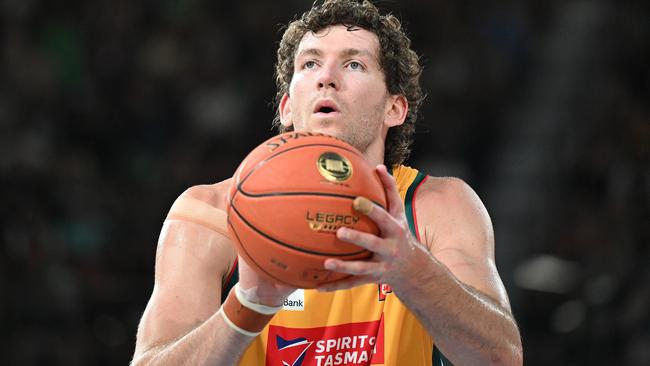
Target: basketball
{"x":287,"y":199}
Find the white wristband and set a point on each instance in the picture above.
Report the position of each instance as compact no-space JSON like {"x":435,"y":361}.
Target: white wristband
{"x":236,"y":328}
{"x":262,"y":309}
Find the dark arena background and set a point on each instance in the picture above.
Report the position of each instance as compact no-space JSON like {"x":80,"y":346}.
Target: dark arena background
{"x":110,"y":109}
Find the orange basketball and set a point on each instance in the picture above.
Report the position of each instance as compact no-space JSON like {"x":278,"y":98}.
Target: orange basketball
{"x":288,"y":198}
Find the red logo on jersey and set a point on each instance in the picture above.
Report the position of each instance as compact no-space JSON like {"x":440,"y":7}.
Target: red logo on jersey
{"x":345,"y":344}
{"x":383,"y":290}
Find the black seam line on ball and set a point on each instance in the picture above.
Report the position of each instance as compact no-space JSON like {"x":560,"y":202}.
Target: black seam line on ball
{"x":250,"y":256}
{"x":261,"y":163}
{"x":304,"y":194}
{"x":292,"y":246}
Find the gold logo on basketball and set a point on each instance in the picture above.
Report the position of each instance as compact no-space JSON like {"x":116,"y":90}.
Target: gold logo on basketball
{"x":330,"y":222}
{"x":334,"y":167}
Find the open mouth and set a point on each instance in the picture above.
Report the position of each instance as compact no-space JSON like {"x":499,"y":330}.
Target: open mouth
{"x":325,"y":107}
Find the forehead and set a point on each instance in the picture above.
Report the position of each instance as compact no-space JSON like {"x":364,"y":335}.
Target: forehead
{"x":338,"y":37}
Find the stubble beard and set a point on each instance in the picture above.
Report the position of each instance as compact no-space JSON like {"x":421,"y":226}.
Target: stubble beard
{"x":366,"y":129}
{"x":362,"y":132}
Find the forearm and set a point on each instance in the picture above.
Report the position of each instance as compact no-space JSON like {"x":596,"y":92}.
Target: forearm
{"x":467,"y":326}
{"x":212,"y":343}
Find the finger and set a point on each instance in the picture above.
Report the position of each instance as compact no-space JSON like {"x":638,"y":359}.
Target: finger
{"x":365,"y":240}
{"x":395,"y":204}
{"x":387,"y":224}
{"x":356,"y":268}
{"x":347,"y":283}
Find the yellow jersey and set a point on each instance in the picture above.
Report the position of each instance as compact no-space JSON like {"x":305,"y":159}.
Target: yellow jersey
{"x":365,"y":325}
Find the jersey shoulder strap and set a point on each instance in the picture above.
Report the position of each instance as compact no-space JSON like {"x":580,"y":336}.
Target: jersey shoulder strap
{"x":408,"y":181}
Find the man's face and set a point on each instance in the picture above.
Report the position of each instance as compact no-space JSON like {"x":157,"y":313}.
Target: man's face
{"x":338,"y":87}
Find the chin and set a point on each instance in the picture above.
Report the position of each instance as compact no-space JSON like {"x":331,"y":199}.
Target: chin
{"x":331,"y":130}
{"x":342,"y":136}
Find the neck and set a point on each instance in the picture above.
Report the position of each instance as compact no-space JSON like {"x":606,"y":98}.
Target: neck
{"x":374,"y":154}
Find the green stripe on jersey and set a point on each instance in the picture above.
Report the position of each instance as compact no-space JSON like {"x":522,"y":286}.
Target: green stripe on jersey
{"x":408,"y":202}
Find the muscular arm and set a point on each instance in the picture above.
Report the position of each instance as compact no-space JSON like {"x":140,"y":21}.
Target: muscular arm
{"x":465,"y":306}
{"x":181,"y":324}
{"x":469,"y":327}
{"x":450,"y":281}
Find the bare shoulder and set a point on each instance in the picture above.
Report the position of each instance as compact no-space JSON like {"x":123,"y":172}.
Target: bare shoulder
{"x":449,"y":191}
{"x":201,"y":209}
{"x":216,"y":195}
{"x":193,"y":258}
{"x":449,"y":208}
{"x":455,"y":226}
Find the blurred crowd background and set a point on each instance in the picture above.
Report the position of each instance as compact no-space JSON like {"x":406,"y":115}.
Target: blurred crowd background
{"x":110,"y":109}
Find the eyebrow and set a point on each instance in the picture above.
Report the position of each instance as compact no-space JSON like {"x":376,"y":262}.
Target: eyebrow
{"x":309,"y":51}
{"x":345,"y":53}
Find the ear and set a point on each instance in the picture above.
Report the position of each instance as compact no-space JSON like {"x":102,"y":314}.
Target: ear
{"x":285,"y":110}
{"x":396,"y":110}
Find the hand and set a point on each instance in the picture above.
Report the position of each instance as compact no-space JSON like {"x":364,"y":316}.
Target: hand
{"x":260,"y":290}
{"x":393,"y":250}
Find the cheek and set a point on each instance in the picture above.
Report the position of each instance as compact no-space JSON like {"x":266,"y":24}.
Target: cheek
{"x":371,"y":102}
{"x":297,"y":82}
{"x":369,"y":86}
{"x":296,"y":90}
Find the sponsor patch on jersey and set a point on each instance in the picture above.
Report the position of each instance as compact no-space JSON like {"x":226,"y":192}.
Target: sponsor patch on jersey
{"x":295,"y":301}
{"x":293,"y":351}
{"x":344,"y":344}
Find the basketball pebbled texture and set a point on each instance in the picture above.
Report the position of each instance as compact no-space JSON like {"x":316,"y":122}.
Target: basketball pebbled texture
{"x":288,"y":198}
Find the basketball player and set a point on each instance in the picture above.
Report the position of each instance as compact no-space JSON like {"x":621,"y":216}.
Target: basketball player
{"x":429,"y":294}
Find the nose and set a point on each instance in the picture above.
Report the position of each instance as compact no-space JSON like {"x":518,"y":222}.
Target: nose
{"x":328,"y":77}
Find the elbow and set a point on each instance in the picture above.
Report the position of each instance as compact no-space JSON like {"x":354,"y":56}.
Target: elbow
{"x":138,"y":361}
{"x":518,"y":357}
{"x":142,"y":359}
{"x":511,"y":352}
{"x":147,"y":355}
{"x":511,"y":355}
{"x":517,"y":351}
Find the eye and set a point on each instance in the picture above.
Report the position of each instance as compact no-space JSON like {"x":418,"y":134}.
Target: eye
{"x":309,"y":64}
{"x":354,"y":65}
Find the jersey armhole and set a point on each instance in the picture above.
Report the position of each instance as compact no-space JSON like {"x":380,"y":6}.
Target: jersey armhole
{"x":409,"y":203}
{"x":230,"y":280}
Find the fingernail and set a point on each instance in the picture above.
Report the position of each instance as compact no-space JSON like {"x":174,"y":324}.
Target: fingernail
{"x":342,"y":232}
{"x":330,"y":265}
{"x":362,"y":205}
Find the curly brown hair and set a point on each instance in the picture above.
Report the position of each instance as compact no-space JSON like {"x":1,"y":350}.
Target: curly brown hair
{"x":398,"y":61}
